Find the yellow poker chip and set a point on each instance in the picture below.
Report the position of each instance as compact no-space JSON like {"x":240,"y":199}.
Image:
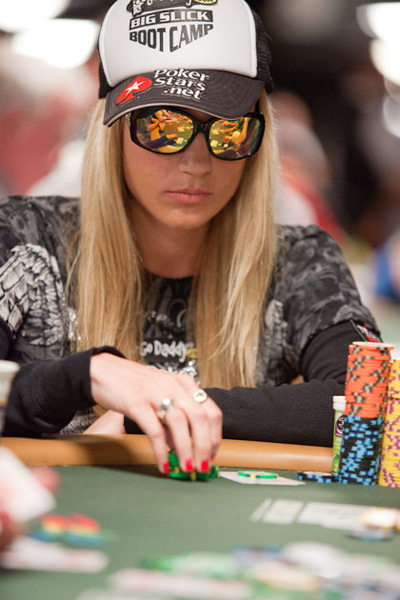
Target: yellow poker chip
{"x":283,"y":576}
{"x":258,"y":474}
{"x":381,"y":518}
{"x":389,"y":470}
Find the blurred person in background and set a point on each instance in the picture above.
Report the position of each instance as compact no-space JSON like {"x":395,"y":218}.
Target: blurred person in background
{"x":372,"y":171}
{"x":305,"y":169}
{"x":40,"y":108}
{"x":65,"y":177}
{"x":387,"y":269}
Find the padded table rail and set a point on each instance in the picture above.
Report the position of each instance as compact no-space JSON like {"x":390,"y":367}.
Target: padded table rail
{"x":132,"y":449}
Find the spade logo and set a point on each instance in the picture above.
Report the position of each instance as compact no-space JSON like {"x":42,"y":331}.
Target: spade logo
{"x":139,"y":84}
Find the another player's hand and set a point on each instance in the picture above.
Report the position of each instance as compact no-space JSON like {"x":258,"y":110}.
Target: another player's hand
{"x":10,"y":529}
{"x":137,"y":391}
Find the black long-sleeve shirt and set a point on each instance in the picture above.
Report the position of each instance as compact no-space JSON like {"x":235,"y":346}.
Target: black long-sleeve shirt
{"x":312,"y":313}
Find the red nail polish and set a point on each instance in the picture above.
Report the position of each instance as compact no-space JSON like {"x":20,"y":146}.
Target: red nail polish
{"x":205,"y":465}
{"x":166,"y":468}
{"x":189,"y":465}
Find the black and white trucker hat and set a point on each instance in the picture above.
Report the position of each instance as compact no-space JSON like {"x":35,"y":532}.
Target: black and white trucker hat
{"x":208,"y":55}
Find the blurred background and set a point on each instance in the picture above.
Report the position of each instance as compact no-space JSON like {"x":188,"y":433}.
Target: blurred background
{"x":336,"y":67}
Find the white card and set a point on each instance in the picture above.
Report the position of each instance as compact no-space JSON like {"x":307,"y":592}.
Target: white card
{"x":332,"y":515}
{"x":28,"y":554}
{"x":145,"y":581}
{"x":21,"y":494}
{"x":283,"y":512}
{"x":233,"y":476}
{"x":107,"y":594}
{"x":324,"y":514}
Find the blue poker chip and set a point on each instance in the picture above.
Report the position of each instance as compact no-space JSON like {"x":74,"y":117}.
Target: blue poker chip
{"x":369,"y":534}
{"x":317,"y":476}
{"x":360,"y":450}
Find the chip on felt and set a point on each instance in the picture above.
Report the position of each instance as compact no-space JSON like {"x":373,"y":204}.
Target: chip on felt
{"x":44,"y":535}
{"x":370,"y":534}
{"x":258,"y":474}
{"x":179,"y":475}
{"x":84,"y":521}
{"x":176,"y":473}
{"x":84,"y":541}
{"x":199,"y":563}
{"x":54,"y":522}
{"x":381,"y":518}
{"x":74,"y":529}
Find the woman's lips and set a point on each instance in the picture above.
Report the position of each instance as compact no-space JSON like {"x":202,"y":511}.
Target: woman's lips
{"x":188,"y":196}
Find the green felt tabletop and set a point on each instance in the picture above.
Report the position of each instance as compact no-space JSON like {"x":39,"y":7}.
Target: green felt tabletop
{"x":149,"y":514}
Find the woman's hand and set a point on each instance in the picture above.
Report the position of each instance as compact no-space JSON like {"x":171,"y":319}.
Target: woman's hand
{"x":137,"y":391}
{"x":111,"y":423}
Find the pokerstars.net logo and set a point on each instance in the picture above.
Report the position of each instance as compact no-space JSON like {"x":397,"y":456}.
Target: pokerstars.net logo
{"x":168,"y":25}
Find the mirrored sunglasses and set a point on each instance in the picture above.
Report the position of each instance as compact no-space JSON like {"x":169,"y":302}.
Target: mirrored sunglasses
{"x":166,"y":130}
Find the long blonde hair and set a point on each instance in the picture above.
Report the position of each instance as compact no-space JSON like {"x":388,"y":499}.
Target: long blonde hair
{"x":229,"y":291}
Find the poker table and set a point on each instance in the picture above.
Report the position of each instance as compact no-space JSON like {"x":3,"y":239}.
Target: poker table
{"x":113,"y":480}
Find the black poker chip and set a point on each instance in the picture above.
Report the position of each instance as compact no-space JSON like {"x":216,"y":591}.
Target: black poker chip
{"x":317,"y":476}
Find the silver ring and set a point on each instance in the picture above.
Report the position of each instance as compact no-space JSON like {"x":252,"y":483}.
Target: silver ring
{"x":164,"y":407}
{"x":200,"y":396}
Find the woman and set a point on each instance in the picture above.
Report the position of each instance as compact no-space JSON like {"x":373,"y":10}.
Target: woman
{"x":177,"y":264}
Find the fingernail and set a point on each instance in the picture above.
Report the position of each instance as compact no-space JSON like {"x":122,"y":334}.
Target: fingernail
{"x":166,"y":468}
{"x":205,"y":466}
{"x":189,"y":465}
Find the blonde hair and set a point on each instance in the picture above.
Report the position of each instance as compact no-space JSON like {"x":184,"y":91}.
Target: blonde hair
{"x":229,"y":291}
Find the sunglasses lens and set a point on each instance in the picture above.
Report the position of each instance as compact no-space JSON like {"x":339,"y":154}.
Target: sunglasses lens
{"x":164,"y":131}
{"x":232,"y":140}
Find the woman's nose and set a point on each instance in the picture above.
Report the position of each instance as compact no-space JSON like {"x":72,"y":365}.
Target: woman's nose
{"x":196,"y":159}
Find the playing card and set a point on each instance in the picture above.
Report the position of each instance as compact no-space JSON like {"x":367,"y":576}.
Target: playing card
{"x":141,"y":581}
{"x":283,"y":512}
{"x":234,"y":476}
{"x":28,"y":554}
{"x":331,"y":515}
{"x":21,"y":494}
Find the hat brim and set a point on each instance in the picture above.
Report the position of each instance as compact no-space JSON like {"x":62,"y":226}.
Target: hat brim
{"x":218,"y":93}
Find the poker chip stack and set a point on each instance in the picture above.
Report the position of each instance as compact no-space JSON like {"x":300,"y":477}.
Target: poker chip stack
{"x":389,"y":472}
{"x":368,"y":367}
{"x":74,"y":530}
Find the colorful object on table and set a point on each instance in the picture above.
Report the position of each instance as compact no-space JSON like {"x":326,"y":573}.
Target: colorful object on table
{"x":297,"y":570}
{"x":389,"y":471}
{"x":258,"y":474}
{"x":370,"y":534}
{"x":206,"y":564}
{"x":339,"y":406}
{"x":176,"y":473}
{"x":376,"y":524}
{"x":368,"y":367}
{"x":317,"y":476}
{"x":74,"y":529}
{"x":381,"y":518}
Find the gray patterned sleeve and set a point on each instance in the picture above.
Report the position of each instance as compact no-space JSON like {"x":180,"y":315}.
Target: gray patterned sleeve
{"x":34,"y":234}
{"x":317,"y":288}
